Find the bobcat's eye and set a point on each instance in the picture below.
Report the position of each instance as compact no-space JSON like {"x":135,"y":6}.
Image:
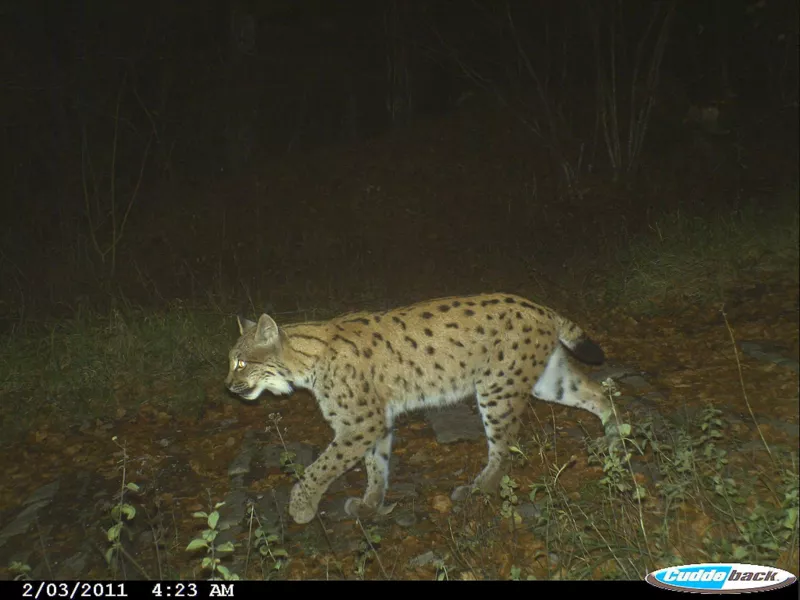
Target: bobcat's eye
{"x":240,"y":364}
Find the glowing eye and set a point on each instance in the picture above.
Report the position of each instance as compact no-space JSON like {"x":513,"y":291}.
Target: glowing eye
{"x":241,"y":364}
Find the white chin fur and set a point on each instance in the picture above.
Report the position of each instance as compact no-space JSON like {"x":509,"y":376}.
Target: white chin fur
{"x":252,"y":395}
{"x":279,"y":387}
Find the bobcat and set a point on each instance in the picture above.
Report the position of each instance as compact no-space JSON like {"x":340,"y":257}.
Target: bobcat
{"x":366,"y":368}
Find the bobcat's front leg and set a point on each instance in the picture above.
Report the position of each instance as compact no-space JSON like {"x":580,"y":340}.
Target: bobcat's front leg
{"x":346,"y":449}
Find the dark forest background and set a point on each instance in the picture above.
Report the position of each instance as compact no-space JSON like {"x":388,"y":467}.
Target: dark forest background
{"x":159,"y":150}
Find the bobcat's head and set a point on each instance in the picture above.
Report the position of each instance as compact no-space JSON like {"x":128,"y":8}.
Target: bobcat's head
{"x":255,"y":360}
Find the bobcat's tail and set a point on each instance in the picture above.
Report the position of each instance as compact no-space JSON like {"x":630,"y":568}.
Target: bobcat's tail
{"x":579,"y":344}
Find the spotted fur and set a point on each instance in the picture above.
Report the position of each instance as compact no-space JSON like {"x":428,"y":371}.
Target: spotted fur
{"x":366,"y":368}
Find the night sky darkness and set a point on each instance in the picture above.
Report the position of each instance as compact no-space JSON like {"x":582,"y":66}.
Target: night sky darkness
{"x":158,"y":149}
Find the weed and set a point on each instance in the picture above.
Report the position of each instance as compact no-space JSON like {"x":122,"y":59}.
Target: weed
{"x":441,"y":570}
{"x":265,"y":542}
{"x":121,"y":513}
{"x":367,"y":550}
{"x":508,"y":508}
{"x":20,"y":571}
{"x":212,"y":562}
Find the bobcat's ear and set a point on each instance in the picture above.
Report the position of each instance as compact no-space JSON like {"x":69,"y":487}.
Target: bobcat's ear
{"x":267,"y":332}
{"x":245,"y":325}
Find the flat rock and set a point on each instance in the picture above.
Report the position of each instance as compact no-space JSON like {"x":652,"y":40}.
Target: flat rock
{"x":455,"y":423}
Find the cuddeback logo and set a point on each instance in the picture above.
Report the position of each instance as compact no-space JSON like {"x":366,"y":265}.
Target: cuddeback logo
{"x":721,"y":578}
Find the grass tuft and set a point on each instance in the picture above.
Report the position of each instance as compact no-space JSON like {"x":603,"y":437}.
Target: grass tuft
{"x":695,"y":259}
{"x":94,"y":366}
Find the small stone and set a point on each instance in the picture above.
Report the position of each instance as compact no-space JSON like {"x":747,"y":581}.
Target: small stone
{"x":424,"y":559}
{"x":441,"y":504}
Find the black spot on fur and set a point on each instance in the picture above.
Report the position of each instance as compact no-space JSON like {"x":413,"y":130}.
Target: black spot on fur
{"x":468,"y":312}
{"x":443,"y":308}
{"x":349,"y":342}
{"x":361,"y":320}
{"x":427,"y":315}
{"x":411,"y":341}
{"x":428,"y":332}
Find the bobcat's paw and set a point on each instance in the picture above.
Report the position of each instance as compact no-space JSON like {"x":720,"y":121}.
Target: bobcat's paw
{"x":355,"y":507}
{"x":462,"y":492}
{"x":300,"y":508}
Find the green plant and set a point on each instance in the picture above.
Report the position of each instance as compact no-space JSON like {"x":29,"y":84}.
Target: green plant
{"x":121,"y":513}
{"x":20,"y":571}
{"x":367,"y":550}
{"x":212,"y":562}
{"x":508,"y":494}
{"x":516,"y":575}
{"x":265,"y":543}
{"x":441,"y":570}
{"x":287,"y":456}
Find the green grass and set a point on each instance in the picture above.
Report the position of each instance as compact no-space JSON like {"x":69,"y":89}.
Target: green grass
{"x":92,"y":366}
{"x":701,"y":501}
{"x":685,"y":258}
